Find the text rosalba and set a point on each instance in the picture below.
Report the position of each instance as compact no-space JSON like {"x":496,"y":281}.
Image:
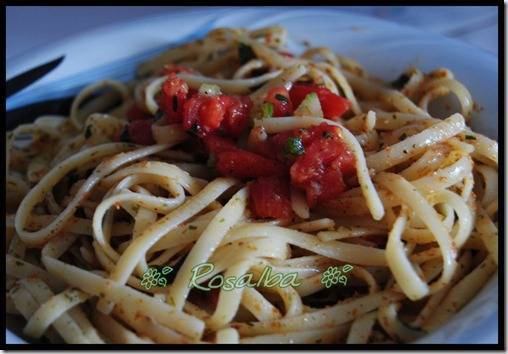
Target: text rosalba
{"x":267,"y":279}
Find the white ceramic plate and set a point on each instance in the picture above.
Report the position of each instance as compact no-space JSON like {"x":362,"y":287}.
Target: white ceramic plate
{"x":384,"y":49}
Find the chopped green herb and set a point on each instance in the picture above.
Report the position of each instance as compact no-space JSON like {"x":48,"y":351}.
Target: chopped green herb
{"x":192,"y":227}
{"x":403,"y":136}
{"x":400,"y":82}
{"x":294,"y":146}
{"x":281,"y":98}
{"x":470,"y":137}
{"x":245,"y":53}
{"x":221,"y":220}
{"x":267,"y":110}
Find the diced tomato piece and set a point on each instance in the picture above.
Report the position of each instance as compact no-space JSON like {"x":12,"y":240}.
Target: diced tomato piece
{"x":190,"y":113}
{"x":237,"y":114}
{"x":269,"y":198}
{"x":136,"y":113}
{"x":312,"y":164}
{"x":286,"y":54}
{"x":204,"y":115}
{"x":244,"y":164}
{"x":174,"y":94}
{"x":332,"y":184}
{"x":274,"y":146}
{"x":277,"y":143}
{"x":333,"y":105}
{"x":321,"y":170}
{"x":299,"y":91}
{"x":216,"y":144}
{"x":345,"y":162}
{"x":175,"y":69}
{"x":140,"y":132}
{"x":279,"y":97}
{"x":211,"y":113}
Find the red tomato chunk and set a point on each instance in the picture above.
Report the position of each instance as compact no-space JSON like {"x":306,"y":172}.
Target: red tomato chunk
{"x":321,"y":170}
{"x":216,"y":144}
{"x":204,"y":115}
{"x":237,"y":114}
{"x":269,"y":198}
{"x":136,"y":113}
{"x":171,"y":68}
{"x":315,"y":159}
{"x":279,"y":98}
{"x":140,"y":132}
{"x":174,"y":94}
{"x":245,"y":164}
{"x":333,"y":105}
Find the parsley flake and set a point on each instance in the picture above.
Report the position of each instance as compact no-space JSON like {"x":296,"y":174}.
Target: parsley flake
{"x":267,"y":110}
{"x":294,"y":146}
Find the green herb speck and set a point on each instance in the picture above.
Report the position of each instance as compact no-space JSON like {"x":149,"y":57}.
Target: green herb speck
{"x":294,"y":146}
{"x":267,"y":110}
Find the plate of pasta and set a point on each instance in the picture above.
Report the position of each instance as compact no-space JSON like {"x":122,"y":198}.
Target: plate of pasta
{"x":254,"y":177}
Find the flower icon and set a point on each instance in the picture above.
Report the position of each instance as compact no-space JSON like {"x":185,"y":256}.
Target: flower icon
{"x":330,"y":277}
{"x":152,"y":277}
{"x":333,"y":276}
